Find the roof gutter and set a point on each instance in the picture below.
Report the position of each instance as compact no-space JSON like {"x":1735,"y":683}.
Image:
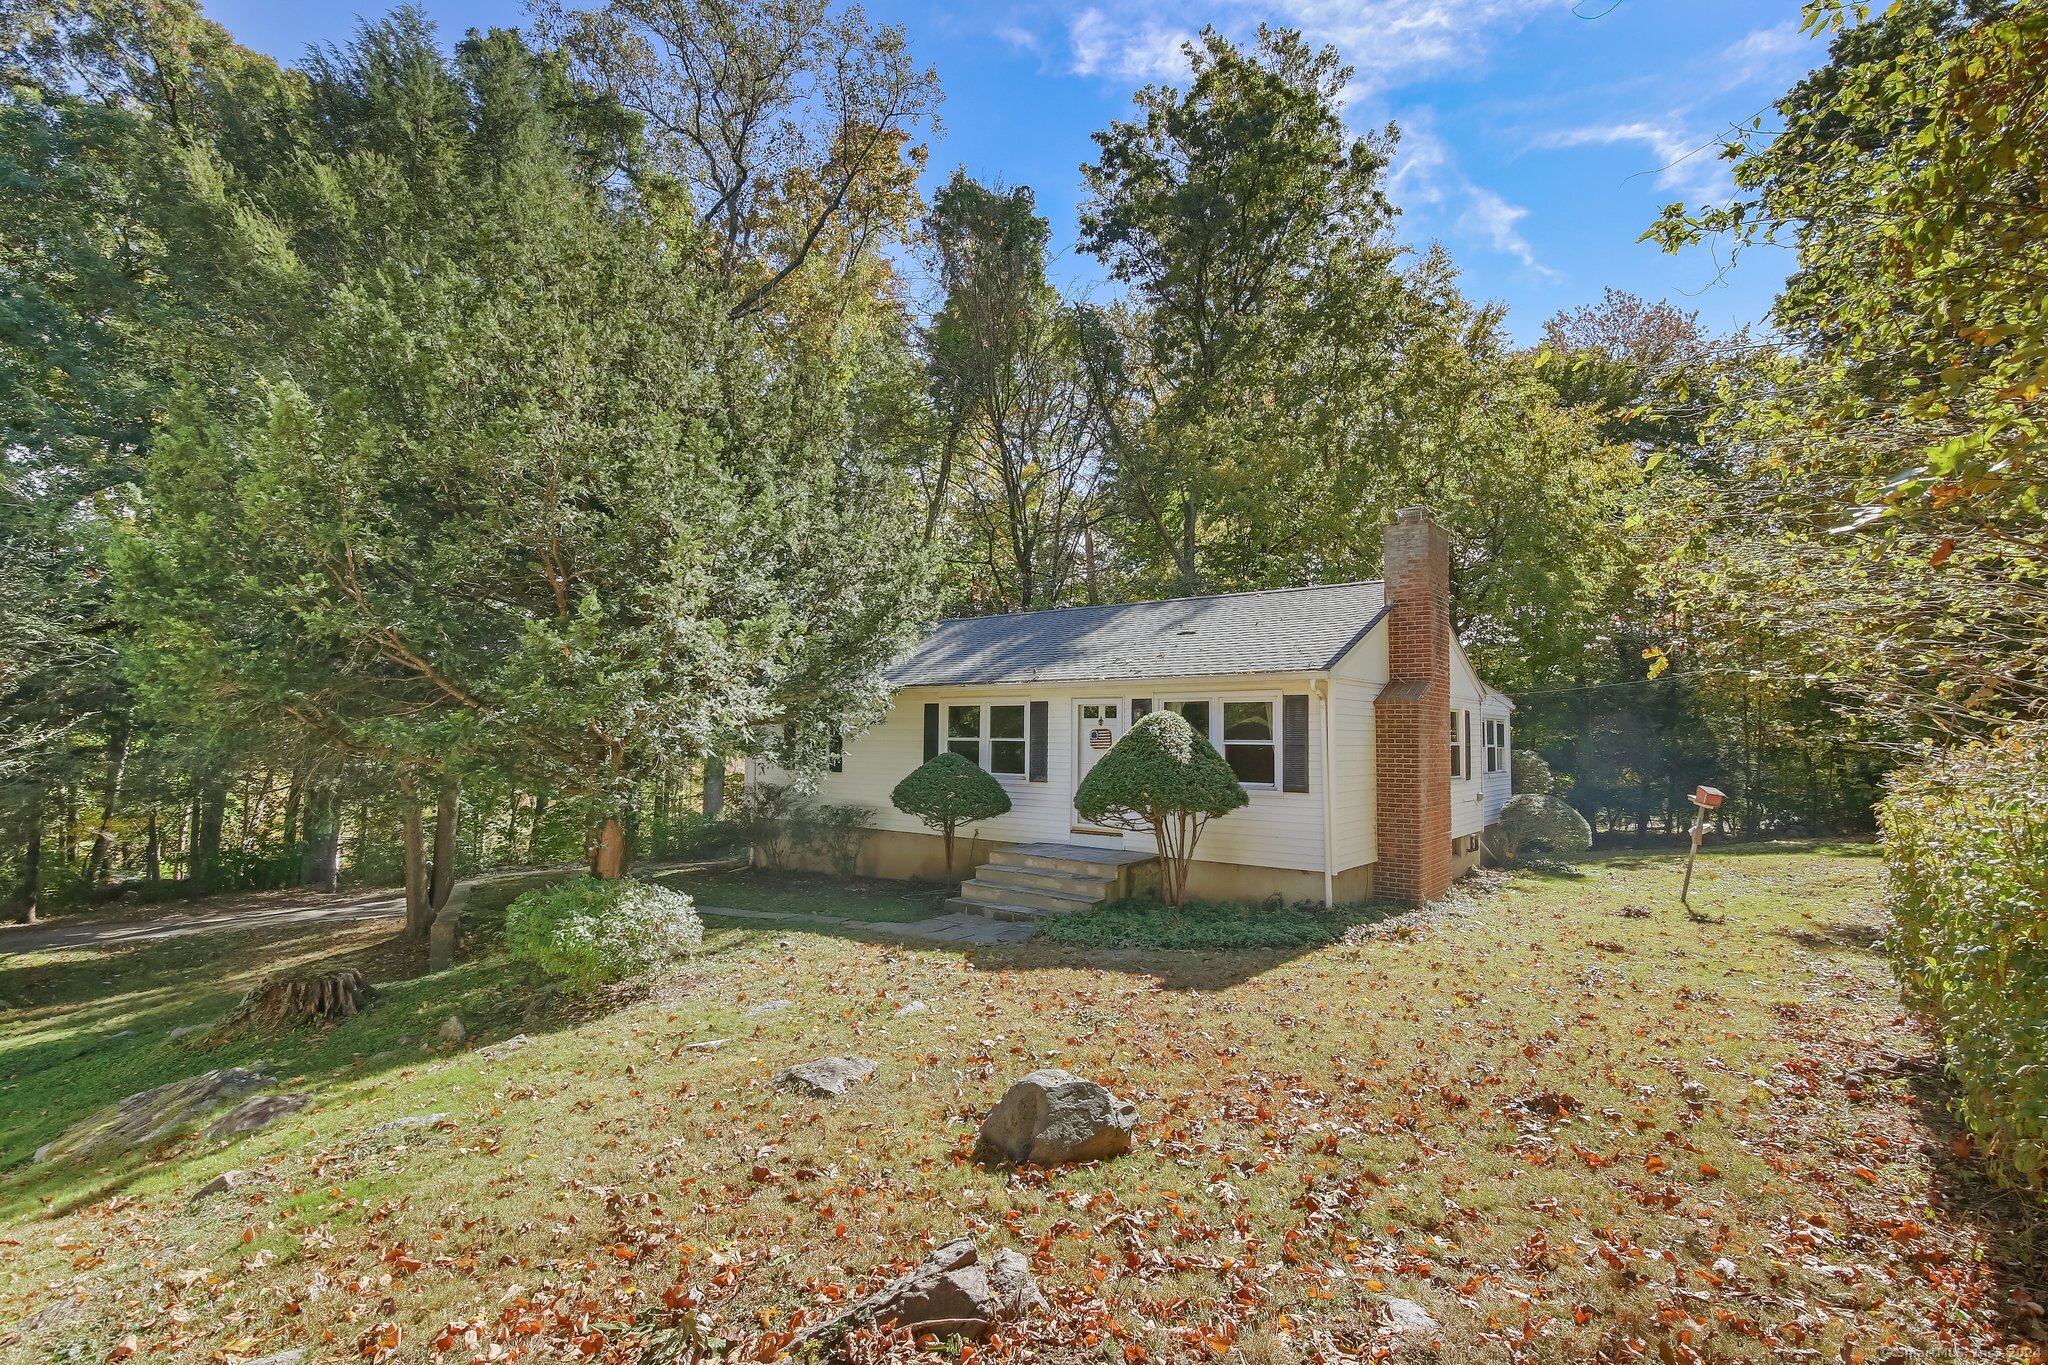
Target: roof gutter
{"x":1322,"y":685}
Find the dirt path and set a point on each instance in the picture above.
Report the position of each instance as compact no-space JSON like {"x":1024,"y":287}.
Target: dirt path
{"x":262,"y":910}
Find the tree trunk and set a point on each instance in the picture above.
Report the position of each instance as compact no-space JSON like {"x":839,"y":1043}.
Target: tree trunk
{"x":610,"y":862}
{"x":419,"y":915}
{"x":99,"y":862}
{"x":447,"y":815}
{"x":31,"y":881}
{"x":209,"y":808}
{"x":320,"y":866}
{"x":949,"y":853}
{"x":153,"y":853}
{"x":714,"y":785}
{"x":294,"y":798}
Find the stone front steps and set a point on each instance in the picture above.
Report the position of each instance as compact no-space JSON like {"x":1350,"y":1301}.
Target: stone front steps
{"x":1027,"y":882}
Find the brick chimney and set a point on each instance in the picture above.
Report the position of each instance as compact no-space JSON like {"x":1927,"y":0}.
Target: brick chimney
{"x":1412,"y":717}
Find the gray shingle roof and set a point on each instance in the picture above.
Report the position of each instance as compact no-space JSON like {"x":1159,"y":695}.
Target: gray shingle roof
{"x":1287,"y":630}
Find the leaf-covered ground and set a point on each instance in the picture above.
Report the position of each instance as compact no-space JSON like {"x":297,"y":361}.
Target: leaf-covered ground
{"x":1564,"y":1119}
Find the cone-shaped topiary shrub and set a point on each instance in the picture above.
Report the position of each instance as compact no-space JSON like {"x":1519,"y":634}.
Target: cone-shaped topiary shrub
{"x":946,"y":792}
{"x":1535,"y":821}
{"x":1162,"y":777}
{"x":1531,"y":774}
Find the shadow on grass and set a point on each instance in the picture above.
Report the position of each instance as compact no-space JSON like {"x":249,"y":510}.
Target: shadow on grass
{"x":2014,"y":1223}
{"x":1835,"y":934}
{"x":92,"y":1026}
{"x":1717,"y":847}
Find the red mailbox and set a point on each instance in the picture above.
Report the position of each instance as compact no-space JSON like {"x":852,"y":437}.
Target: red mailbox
{"x":1706,"y":798}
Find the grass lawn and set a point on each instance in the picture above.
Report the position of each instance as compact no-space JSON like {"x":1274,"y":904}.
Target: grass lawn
{"x":1564,"y":1119}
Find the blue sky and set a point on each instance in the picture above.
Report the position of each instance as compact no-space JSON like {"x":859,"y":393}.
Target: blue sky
{"x":1539,"y":137}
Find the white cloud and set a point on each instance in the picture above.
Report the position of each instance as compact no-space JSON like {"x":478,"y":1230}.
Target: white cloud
{"x":1488,"y":214}
{"x":1132,"y":51}
{"x":1426,"y":175}
{"x":1686,"y":162}
{"x":1389,"y":42}
{"x":1768,"y":55}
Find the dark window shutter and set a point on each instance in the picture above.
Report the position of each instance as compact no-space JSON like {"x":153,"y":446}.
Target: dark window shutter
{"x":1140,"y":707}
{"x":931,"y":731}
{"x":1294,"y":742}
{"x":1041,"y":726}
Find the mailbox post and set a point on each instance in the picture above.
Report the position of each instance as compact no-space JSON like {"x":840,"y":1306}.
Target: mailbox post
{"x":1704,"y":799}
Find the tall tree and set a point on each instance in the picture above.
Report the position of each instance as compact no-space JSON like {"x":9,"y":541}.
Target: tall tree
{"x":1018,"y":447}
{"x":1251,"y":230}
{"x":1885,"y":524}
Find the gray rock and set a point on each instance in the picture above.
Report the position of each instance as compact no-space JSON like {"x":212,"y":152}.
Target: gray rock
{"x":1051,"y":1117}
{"x":1405,"y":1317}
{"x":770,"y":1007}
{"x":221,"y":1184}
{"x":951,"y":1293}
{"x":498,"y":1052}
{"x":291,"y":1357}
{"x":187,"y":1030}
{"x":152,"y":1115}
{"x":402,"y":1125}
{"x":827,"y":1075}
{"x":452,"y":1032}
{"x":708,"y":1045}
{"x":256,"y":1112}
{"x":914,"y":1007}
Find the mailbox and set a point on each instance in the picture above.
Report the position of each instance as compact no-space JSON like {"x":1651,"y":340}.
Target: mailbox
{"x":1706,"y":798}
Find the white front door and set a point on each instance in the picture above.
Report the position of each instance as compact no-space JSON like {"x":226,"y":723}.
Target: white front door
{"x":1097,"y":726}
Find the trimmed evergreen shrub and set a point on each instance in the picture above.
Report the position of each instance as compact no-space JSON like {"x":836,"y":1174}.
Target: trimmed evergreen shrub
{"x":1529,"y":773}
{"x":589,"y":932}
{"x":1538,"y":822}
{"x":1966,"y":862}
{"x":947,"y":791}
{"x":1163,"y":777}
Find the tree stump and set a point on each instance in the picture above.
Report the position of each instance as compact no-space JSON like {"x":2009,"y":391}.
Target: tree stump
{"x":281,"y":1002}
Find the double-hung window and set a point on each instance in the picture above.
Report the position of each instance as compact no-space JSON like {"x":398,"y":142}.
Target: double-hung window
{"x":989,"y":735}
{"x":1242,"y":731}
{"x":1496,"y":745}
{"x":1457,"y":750}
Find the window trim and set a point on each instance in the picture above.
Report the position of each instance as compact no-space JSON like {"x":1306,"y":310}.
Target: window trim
{"x":1217,"y":701}
{"x":1496,"y":742}
{"x":1461,"y":761}
{"x":984,"y":739}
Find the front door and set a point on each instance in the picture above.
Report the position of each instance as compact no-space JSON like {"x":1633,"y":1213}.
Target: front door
{"x":1097,"y":726}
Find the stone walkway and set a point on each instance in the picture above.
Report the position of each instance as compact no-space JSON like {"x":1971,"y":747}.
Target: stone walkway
{"x":973,"y":931}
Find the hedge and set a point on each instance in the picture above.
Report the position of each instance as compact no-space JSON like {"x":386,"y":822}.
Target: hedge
{"x":1966,"y":859}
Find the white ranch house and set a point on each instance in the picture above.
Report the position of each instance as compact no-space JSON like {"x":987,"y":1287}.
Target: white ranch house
{"x":1373,"y":754}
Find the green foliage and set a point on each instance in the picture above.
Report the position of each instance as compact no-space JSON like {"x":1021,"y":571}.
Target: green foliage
{"x":1531,"y":774}
{"x":833,"y":832}
{"x":1883,"y":519}
{"x":1164,"y":778}
{"x":1205,"y":926}
{"x":589,"y":932}
{"x":765,"y":817}
{"x":1541,"y":823}
{"x":947,"y":791}
{"x":1966,"y":857}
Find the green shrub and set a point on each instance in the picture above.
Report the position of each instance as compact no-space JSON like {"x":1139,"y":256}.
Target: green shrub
{"x":1966,"y":861}
{"x":765,"y":817}
{"x":1541,"y":823}
{"x":1529,"y":773}
{"x":1204,"y":925}
{"x":1165,"y":778}
{"x":589,"y":932}
{"x":833,"y":832}
{"x":947,"y":791}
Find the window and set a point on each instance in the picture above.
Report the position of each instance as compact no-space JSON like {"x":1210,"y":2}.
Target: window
{"x":1457,"y":749}
{"x":1496,"y":745}
{"x":989,"y":736}
{"x":835,"y":752}
{"x":1242,"y":731}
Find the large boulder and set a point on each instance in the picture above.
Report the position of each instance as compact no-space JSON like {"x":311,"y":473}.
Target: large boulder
{"x":256,"y":1113}
{"x":1052,"y":1117}
{"x":152,"y":1115}
{"x":952,"y":1293}
{"x":827,"y":1076}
